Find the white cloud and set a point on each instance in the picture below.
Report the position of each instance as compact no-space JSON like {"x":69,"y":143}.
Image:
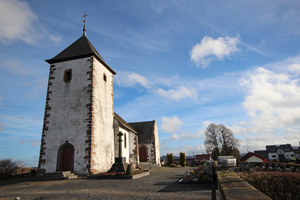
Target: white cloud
{"x":56,"y":39}
{"x":189,"y":150}
{"x":238,"y":130}
{"x":259,"y":141}
{"x":190,"y":136}
{"x":132,"y":79}
{"x":14,"y":67}
{"x":294,"y":68}
{"x":17,"y":21}
{"x":171,"y":125}
{"x":273,"y":99}
{"x":177,"y":94}
{"x":210,"y":49}
{"x":175,"y":137}
{"x":129,"y":79}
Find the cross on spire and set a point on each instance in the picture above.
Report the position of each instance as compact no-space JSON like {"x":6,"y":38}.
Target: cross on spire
{"x":84,"y":21}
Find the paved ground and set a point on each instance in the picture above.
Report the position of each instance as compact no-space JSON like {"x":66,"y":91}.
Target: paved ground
{"x":161,"y":184}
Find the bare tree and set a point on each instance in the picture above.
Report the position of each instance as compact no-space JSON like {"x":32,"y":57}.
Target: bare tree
{"x":7,"y":167}
{"x":220,"y":140}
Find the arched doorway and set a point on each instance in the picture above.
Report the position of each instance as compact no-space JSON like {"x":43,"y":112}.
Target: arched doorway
{"x":65,"y":157}
{"x":143,"y":154}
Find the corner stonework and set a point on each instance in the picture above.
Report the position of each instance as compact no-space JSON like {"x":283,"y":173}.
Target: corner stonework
{"x":89,"y":150}
{"x":46,"y":116}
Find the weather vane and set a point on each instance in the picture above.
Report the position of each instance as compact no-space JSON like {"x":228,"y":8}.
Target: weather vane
{"x":84,"y":16}
{"x":84,"y":29}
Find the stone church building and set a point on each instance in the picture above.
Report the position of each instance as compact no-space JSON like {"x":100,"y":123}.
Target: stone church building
{"x":81,"y":131}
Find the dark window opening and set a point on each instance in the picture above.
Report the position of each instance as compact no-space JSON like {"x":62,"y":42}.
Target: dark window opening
{"x":104,"y":77}
{"x":68,"y":75}
{"x":125,"y":142}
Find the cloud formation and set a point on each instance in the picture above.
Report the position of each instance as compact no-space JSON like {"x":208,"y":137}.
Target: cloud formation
{"x":14,"y":67}
{"x":177,"y":94}
{"x":130,"y":79}
{"x":273,"y":98}
{"x":16,"y":21}
{"x":210,"y":49}
{"x":171,"y":125}
{"x":190,"y":136}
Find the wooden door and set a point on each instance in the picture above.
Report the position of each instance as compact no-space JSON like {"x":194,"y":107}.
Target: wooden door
{"x":67,"y":158}
{"x":143,"y":154}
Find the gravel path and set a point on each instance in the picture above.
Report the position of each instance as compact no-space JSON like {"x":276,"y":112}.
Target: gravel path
{"x":161,"y":184}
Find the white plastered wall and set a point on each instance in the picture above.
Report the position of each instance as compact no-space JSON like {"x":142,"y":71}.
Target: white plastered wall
{"x":103,"y":116}
{"x":125,"y":150}
{"x":67,"y":115}
{"x":254,"y":159}
{"x":157,"y":156}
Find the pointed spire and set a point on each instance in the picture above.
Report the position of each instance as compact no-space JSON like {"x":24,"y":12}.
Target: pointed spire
{"x":84,"y":21}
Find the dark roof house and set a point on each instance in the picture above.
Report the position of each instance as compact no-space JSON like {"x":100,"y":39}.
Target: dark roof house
{"x":274,"y":148}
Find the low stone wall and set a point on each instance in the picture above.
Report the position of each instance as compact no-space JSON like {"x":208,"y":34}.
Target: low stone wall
{"x":231,"y":186}
{"x":135,"y":176}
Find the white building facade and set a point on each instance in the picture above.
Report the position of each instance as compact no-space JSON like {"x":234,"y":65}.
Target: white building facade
{"x":80,"y":127}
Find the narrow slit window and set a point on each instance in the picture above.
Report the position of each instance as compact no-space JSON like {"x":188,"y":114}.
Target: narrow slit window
{"x":104,"y":77}
{"x":125,"y":142}
{"x":68,"y":75}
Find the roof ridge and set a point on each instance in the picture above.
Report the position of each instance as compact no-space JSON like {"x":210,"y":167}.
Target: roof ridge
{"x":81,"y":48}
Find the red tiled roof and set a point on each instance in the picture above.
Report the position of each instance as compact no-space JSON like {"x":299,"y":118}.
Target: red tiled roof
{"x":248,"y":155}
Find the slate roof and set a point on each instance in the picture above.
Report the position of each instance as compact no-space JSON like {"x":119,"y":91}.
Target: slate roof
{"x":248,"y":155}
{"x":123,"y":123}
{"x":262,"y":153}
{"x":274,"y":148}
{"x":296,"y":150}
{"x":81,"y":48}
{"x":145,"y":131}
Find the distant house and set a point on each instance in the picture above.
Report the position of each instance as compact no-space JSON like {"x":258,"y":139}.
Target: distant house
{"x":203,"y":157}
{"x":253,"y":157}
{"x":278,"y":152}
{"x":297,"y":152}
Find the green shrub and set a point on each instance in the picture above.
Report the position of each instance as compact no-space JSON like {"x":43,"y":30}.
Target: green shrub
{"x":169,"y":159}
{"x":182,"y":159}
{"x":129,"y":170}
{"x":172,"y":165}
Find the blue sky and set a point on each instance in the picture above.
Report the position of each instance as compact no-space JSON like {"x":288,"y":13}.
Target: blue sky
{"x":185,"y":64}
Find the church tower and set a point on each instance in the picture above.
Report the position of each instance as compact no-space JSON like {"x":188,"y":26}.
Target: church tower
{"x":78,"y":131}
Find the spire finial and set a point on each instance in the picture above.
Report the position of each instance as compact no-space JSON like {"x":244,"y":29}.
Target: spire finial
{"x":84,"y":21}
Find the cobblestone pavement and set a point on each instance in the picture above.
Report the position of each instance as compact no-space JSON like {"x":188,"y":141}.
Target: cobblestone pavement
{"x":161,"y":184}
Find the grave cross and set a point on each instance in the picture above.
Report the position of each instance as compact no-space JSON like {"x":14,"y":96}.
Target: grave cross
{"x":120,"y":143}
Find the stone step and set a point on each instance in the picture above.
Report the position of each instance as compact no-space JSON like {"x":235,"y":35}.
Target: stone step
{"x":65,"y":175}
{"x":147,"y":165}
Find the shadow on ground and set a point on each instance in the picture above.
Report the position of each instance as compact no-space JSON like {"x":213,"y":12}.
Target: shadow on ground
{"x":181,"y":187}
